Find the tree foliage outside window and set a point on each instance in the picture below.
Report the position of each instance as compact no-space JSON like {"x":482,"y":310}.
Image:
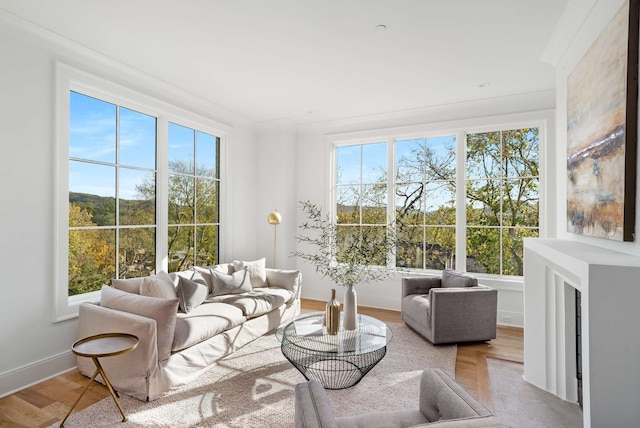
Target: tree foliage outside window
{"x":194,"y":182}
{"x":361,"y":202}
{"x":501,"y":182}
{"x":112,"y":195}
{"x":112,"y":151}
{"x":425,"y":202}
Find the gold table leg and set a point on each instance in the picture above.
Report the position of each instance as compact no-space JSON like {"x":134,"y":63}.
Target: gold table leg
{"x":100,"y":370}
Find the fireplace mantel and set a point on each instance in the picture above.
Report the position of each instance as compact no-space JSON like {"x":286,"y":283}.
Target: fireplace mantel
{"x":609,"y":283}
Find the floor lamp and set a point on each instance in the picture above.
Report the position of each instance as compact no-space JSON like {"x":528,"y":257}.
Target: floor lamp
{"x":274,"y":218}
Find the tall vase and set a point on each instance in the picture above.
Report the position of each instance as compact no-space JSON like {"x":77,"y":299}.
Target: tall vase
{"x":332,"y":314}
{"x":350,"y":308}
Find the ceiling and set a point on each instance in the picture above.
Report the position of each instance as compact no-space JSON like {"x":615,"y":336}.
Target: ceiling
{"x":317,"y":60}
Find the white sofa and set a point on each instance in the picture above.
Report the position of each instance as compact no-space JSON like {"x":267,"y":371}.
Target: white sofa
{"x":185,"y":327}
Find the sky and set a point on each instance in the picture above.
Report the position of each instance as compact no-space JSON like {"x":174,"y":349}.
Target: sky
{"x":92,"y":137}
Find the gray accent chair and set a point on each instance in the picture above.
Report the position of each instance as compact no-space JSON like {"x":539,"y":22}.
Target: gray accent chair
{"x":442,"y":402}
{"x":450,"y":309}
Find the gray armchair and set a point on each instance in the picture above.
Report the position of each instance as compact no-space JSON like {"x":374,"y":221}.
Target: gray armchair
{"x":450,"y":309}
{"x":442,"y":403}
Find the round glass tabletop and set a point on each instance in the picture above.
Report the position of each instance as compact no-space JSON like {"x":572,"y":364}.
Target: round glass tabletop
{"x":307,"y":332}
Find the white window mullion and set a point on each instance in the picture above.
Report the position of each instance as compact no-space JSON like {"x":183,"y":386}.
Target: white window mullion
{"x":503,"y":177}
{"x":162,"y":194}
{"x":461,"y":197}
{"x":391,"y":195}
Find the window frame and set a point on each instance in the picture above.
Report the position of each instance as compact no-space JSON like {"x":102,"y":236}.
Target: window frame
{"x":541,"y":119}
{"x":68,"y":79}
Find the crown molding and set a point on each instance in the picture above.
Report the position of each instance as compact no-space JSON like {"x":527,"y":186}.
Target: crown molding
{"x":84,"y":58}
{"x":488,"y":107}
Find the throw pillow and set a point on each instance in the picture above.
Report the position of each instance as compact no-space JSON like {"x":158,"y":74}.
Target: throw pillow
{"x":453,"y":279}
{"x":130,"y":285}
{"x":287,"y":279}
{"x":257,"y":271}
{"x":188,"y":274}
{"x":237,"y":282}
{"x":205,"y":272}
{"x":153,"y":286}
{"x":191,"y":294}
{"x":163,"y":311}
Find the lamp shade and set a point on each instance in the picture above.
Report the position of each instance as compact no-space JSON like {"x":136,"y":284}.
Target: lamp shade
{"x":274,"y":217}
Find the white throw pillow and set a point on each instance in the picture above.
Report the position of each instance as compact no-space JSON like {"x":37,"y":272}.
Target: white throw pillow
{"x":237,"y":282}
{"x":257,"y":271}
{"x":287,"y":279}
{"x":153,"y":286}
{"x":191,"y":293}
{"x":164,"y":311}
{"x":130,"y":285}
{"x":205,"y":272}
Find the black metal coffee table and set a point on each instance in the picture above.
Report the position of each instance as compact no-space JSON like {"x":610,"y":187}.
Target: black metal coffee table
{"x":336,"y":361}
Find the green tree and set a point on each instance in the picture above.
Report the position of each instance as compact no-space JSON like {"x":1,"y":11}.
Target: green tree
{"x":192,"y":213}
{"x":502,"y":198}
{"x":91,"y":253}
{"x":426,"y":232}
{"x":501,"y":206}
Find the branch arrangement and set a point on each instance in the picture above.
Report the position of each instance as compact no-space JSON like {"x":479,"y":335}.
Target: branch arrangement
{"x":348,"y":255}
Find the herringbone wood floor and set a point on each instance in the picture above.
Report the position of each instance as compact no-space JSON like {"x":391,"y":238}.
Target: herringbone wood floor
{"x":48,"y":402}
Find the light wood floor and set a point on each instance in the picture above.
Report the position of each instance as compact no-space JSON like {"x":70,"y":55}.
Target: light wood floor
{"x":48,"y":402}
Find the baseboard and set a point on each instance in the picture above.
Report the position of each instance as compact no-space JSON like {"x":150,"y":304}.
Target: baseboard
{"x":511,"y":319}
{"x":26,"y":376}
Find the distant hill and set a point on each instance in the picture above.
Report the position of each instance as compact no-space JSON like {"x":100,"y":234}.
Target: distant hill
{"x":103,"y":208}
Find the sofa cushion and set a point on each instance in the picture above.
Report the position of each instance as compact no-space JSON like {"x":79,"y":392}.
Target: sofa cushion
{"x":205,"y":272}
{"x":257,"y":271}
{"x":256,"y":302}
{"x":163,"y":311}
{"x":417,"y":306}
{"x":153,"y":286}
{"x":453,"y":279}
{"x":189,"y":274}
{"x":130,"y":285}
{"x":287,"y":279}
{"x":237,"y":282}
{"x":204,"y":322}
{"x":190,"y":293}
{"x":388,"y":418}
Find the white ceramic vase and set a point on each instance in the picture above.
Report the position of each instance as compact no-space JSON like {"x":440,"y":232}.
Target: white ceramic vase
{"x":350,"y":308}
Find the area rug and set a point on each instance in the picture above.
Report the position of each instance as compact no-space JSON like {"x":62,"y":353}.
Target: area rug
{"x":253,"y":387}
{"x":517,"y":403}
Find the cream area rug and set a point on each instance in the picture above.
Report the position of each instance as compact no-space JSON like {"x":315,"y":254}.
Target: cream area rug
{"x":520,"y":404}
{"x":253,"y":387}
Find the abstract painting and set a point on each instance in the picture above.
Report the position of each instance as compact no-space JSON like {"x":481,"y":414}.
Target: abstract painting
{"x":602,"y":97}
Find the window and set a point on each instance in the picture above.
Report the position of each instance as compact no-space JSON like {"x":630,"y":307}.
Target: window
{"x":112,"y":193}
{"x":461,"y":200}
{"x":425,"y":202}
{"x":502,"y":198}
{"x":361,"y":198}
{"x":194,"y":180}
{"x":138,"y":187}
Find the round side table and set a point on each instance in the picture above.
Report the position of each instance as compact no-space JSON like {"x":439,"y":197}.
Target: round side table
{"x":100,"y":346}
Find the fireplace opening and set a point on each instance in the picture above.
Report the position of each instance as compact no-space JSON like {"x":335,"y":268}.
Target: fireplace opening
{"x":579,"y":345}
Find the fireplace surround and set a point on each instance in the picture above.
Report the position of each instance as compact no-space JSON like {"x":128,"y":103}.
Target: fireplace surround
{"x":609,"y":286}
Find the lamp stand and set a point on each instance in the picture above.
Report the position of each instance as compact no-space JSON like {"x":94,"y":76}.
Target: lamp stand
{"x":274,"y":218}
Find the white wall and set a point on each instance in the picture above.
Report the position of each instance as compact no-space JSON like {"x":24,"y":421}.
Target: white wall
{"x":33,"y":346}
{"x":277,"y":173}
{"x":588,"y":19}
{"x":313,"y":184}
